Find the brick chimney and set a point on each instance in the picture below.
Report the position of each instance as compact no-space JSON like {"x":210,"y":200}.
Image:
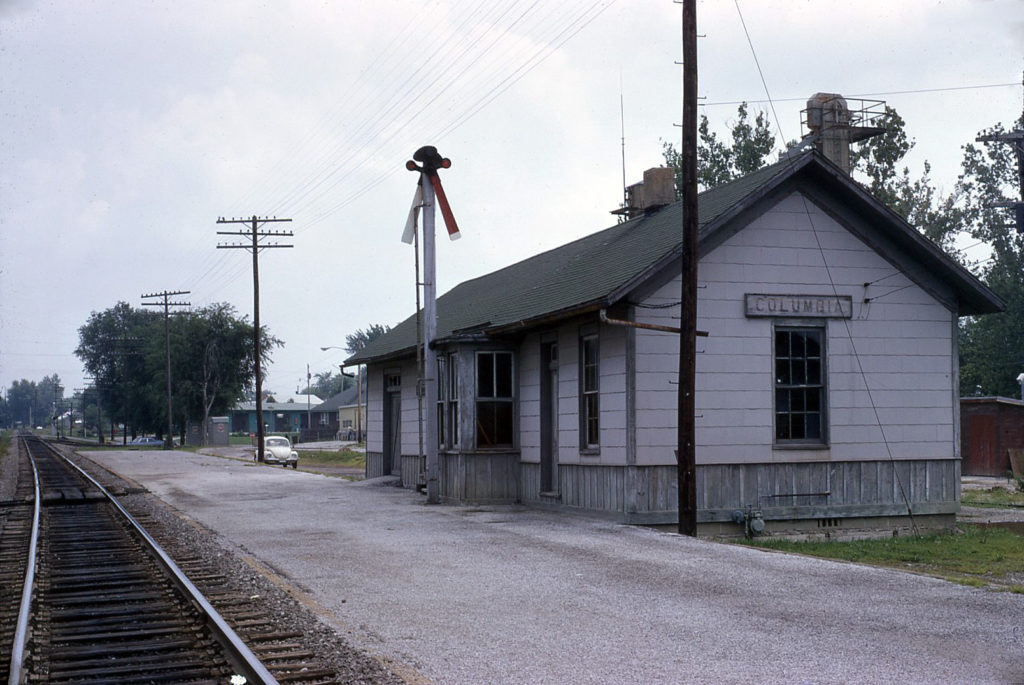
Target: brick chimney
{"x":656,"y":190}
{"x":828,"y":117}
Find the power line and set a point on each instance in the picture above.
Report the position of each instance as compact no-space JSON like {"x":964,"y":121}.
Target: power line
{"x":914,"y":91}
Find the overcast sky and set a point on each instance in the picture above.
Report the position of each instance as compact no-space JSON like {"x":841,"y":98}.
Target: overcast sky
{"x":128,"y":128}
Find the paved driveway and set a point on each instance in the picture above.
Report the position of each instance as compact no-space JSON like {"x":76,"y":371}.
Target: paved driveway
{"x":511,"y":595}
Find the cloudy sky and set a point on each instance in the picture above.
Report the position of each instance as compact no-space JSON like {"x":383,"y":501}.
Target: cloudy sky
{"x":128,"y":128}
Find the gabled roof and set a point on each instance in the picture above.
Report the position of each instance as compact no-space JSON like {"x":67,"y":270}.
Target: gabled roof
{"x":599,"y":269}
{"x":345,"y":398}
{"x":280,"y":406}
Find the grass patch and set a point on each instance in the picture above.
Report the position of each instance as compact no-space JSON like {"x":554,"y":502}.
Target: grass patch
{"x":343,"y":457}
{"x":992,"y":497}
{"x":979,"y":556}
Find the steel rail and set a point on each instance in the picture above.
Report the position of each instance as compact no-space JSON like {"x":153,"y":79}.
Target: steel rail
{"x":253,"y":669}
{"x":21,"y":633}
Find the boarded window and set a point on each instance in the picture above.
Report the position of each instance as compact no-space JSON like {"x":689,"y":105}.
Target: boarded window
{"x":495,"y":407}
{"x":799,"y":385}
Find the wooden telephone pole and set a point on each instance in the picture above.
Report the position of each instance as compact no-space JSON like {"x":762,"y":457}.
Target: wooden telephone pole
{"x":255,"y":235}
{"x":167,"y":304}
{"x":686,"y":456}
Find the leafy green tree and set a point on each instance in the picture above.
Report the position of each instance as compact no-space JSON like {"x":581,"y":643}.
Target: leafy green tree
{"x":877,"y":162}
{"x":992,"y":347}
{"x":114,"y":345}
{"x":354,"y":342}
{"x":328,"y":384}
{"x":213,"y":361}
{"x":719,"y":162}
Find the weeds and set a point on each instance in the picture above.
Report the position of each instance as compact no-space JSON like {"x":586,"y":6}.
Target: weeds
{"x":993,"y":497}
{"x":978,"y":556}
{"x":343,"y":457}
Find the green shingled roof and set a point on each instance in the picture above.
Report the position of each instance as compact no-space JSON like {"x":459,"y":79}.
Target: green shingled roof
{"x":583,"y":272}
{"x":591,"y":272}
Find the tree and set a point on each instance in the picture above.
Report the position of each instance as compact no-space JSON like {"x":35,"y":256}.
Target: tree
{"x":328,"y":384}
{"x":991,"y":352}
{"x":111,"y":345}
{"x":354,"y":342}
{"x":719,"y":163}
{"x":212,"y":361}
{"x":877,"y":160}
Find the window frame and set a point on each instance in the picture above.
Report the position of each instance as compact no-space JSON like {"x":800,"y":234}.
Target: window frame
{"x":822,"y":440}
{"x":504,"y":402}
{"x":589,"y":398}
{"x":448,"y":401}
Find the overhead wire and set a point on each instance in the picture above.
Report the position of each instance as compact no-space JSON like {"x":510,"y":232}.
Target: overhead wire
{"x":368,"y":133}
{"x":913,"y":91}
{"x":835,"y":291}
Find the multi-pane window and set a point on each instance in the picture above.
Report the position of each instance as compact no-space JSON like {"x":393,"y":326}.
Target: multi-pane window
{"x":447,"y":401}
{"x":590,"y":434}
{"x":799,"y":385}
{"x":495,"y":410}
{"x":452,"y":413}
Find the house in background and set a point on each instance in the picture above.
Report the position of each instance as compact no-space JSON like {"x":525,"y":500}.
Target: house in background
{"x":337,"y":418}
{"x":826,"y":389}
{"x":281,"y":414}
{"x":990,"y":428}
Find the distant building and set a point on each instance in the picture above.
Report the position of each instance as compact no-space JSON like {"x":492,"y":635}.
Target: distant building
{"x":289,"y":414}
{"x":990,"y":428}
{"x":336,"y":417}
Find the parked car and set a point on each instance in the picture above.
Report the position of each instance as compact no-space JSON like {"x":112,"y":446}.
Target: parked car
{"x":146,"y":442}
{"x":277,"y":449}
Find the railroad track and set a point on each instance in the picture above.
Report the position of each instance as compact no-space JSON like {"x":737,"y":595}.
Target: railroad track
{"x":106,"y":603}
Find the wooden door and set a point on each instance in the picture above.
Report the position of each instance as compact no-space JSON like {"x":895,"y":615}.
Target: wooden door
{"x":981,"y":450}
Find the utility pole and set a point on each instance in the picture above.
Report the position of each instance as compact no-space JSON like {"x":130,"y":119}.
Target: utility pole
{"x":255,"y":235}
{"x":167,"y":304}
{"x":686,"y":456}
{"x":99,"y":407}
{"x":1016,"y":139}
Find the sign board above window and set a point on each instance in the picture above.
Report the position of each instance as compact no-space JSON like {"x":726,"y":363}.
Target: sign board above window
{"x":800,"y":306}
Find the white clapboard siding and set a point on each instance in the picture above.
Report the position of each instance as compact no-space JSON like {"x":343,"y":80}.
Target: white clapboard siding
{"x":410,"y":435}
{"x":902,"y":338}
{"x":374,"y":410}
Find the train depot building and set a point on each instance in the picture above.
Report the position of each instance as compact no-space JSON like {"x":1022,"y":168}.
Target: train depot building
{"x":827,"y":386}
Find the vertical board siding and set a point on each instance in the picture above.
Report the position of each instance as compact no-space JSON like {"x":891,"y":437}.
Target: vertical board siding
{"x":849,"y":484}
{"x":411,"y":464}
{"x":374,"y":464}
{"x":592,"y":486}
{"x":480,"y":477}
